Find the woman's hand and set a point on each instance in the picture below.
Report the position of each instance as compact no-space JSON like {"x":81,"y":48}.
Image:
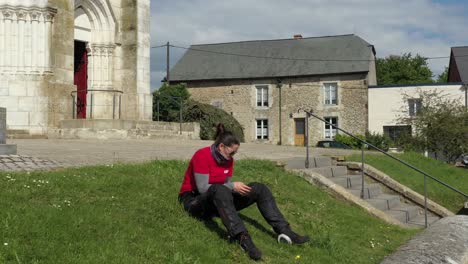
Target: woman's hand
{"x":241,"y":188}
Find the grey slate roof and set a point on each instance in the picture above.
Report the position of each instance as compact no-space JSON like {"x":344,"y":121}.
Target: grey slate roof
{"x":461,"y":59}
{"x":203,"y":62}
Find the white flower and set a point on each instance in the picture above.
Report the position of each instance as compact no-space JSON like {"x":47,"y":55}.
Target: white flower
{"x":5,"y":244}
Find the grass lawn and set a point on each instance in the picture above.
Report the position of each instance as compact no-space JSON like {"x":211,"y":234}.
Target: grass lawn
{"x":130,"y":214}
{"x":456,"y":177}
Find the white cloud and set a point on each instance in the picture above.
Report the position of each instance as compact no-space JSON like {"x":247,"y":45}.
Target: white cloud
{"x":392,"y":26}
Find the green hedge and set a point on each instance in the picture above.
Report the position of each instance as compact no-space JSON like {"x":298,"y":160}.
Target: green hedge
{"x":378,"y":140}
{"x":209,"y":116}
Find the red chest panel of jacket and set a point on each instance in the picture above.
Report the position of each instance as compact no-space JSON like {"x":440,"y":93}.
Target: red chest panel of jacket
{"x":203,"y":162}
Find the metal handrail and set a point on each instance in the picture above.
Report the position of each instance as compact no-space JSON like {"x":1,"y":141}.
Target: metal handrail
{"x":72,"y":94}
{"x":310,"y":113}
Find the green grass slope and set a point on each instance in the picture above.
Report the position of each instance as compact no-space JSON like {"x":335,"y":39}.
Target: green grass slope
{"x":456,"y":177}
{"x":130,"y":214}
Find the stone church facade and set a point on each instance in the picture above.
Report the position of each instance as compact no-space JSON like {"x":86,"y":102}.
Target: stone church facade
{"x":74,"y":59}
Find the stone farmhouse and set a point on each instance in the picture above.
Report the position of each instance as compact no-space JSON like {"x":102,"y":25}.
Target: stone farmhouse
{"x":74,"y":59}
{"x":265,"y":83}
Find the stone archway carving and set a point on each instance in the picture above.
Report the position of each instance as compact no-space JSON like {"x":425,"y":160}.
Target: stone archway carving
{"x":98,"y":16}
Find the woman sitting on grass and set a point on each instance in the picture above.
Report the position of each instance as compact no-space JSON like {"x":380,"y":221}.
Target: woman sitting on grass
{"x":207,"y":190}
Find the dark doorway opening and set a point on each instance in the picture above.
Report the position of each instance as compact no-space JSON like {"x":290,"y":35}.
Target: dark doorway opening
{"x":81,"y":78}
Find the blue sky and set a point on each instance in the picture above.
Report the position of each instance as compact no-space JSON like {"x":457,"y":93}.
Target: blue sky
{"x":427,"y":27}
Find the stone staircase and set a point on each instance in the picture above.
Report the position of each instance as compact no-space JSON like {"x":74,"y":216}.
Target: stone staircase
{"x":375,"y":193}
{"x":22,"y":134}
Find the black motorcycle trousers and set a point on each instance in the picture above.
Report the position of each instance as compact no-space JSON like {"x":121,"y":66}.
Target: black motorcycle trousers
{"x":223,"y":202}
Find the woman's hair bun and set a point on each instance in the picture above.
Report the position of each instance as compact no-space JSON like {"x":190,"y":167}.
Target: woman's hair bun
{"x":225,"y":137}
{"x":220,"y":130}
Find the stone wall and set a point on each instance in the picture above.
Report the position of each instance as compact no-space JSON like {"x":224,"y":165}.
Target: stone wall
{"x":238,"y":97}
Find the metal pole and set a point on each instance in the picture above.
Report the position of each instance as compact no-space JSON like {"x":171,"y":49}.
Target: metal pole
{"x":157,"y":107}
{"x":168,"y":78}
{"x":91,"y":108}
{"x":307,"y":140}
{"x":279,"y":114}
{"x":73,"y":106}
{"x":425,"y":202}
{"x":180,"y":115}
{"x":120,"y":106}
{"x":113,"y":107}
{"x":466,"y":95}
{"x":362,"y":172}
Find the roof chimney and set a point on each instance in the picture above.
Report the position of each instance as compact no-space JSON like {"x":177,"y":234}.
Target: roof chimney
{"x":298,"y":36}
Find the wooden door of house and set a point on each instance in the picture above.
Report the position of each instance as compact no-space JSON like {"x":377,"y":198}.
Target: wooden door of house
{"x":299,"y":135}
{"x":81,"y":78}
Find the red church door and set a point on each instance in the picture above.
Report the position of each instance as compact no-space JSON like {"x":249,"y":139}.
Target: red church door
{"x":81,"y":78}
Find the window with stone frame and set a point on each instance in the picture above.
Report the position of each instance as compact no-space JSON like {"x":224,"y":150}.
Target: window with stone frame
{"x":329,"y":131}
{"x":396,"y":132}
{"x":330,"y":93}
{"x":262,"y":95}
{"x":414,"y":106}
{"x":262,"y":129}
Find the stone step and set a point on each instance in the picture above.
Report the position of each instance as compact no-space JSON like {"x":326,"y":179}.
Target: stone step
{"x":370,"y":191}
{"x":385,"y":201}
{"x":17,"y":131}
{"x":318,"y":162}
{"x":404,"y":213}
{"x":23,"y":134}
{"x":348,"y":181}
{"x":155,"y":132}
{"x":419,"y":220}
{"x":331,"y":171}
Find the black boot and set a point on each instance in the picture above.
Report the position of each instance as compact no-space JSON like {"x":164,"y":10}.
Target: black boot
{"x":288,"y":236}
{"x":248,"y":246}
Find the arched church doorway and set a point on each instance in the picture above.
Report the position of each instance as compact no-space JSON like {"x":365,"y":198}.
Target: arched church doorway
{"x":81,"y":78}
{"x":94,"y":60}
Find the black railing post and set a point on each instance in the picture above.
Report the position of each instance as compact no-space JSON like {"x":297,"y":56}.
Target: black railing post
{"x":73,"y":106}
{"x":180,"y":114}
{"x":362,"y":171}
{"x":113,"y":107}
{"x":425,"y":202}
{"x":307,"y":164}
{"x":157,"y":107}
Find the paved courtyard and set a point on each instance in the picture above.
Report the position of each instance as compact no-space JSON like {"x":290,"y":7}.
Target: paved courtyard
{"x":48,"y":153}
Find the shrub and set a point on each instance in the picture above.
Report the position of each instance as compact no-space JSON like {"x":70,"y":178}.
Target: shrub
{"x":209,"y":116}
{"x":383,"y":142}
{"x":350,"y":141}
{"x":380,"y":141}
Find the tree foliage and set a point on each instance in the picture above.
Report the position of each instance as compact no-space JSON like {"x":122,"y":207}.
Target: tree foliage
{"x":170,"y":98}
{"x":404,"y":69}
{"x":440,"y":126}
{"x":443,"y":77}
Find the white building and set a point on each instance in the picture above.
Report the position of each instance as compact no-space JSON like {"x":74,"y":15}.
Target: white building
{"x":74,"y":59}
{"x":387,"y":104}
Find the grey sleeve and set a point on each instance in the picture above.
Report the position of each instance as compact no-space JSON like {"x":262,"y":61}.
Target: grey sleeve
{"x":229,"y":183}
{"x":202,"y":182}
